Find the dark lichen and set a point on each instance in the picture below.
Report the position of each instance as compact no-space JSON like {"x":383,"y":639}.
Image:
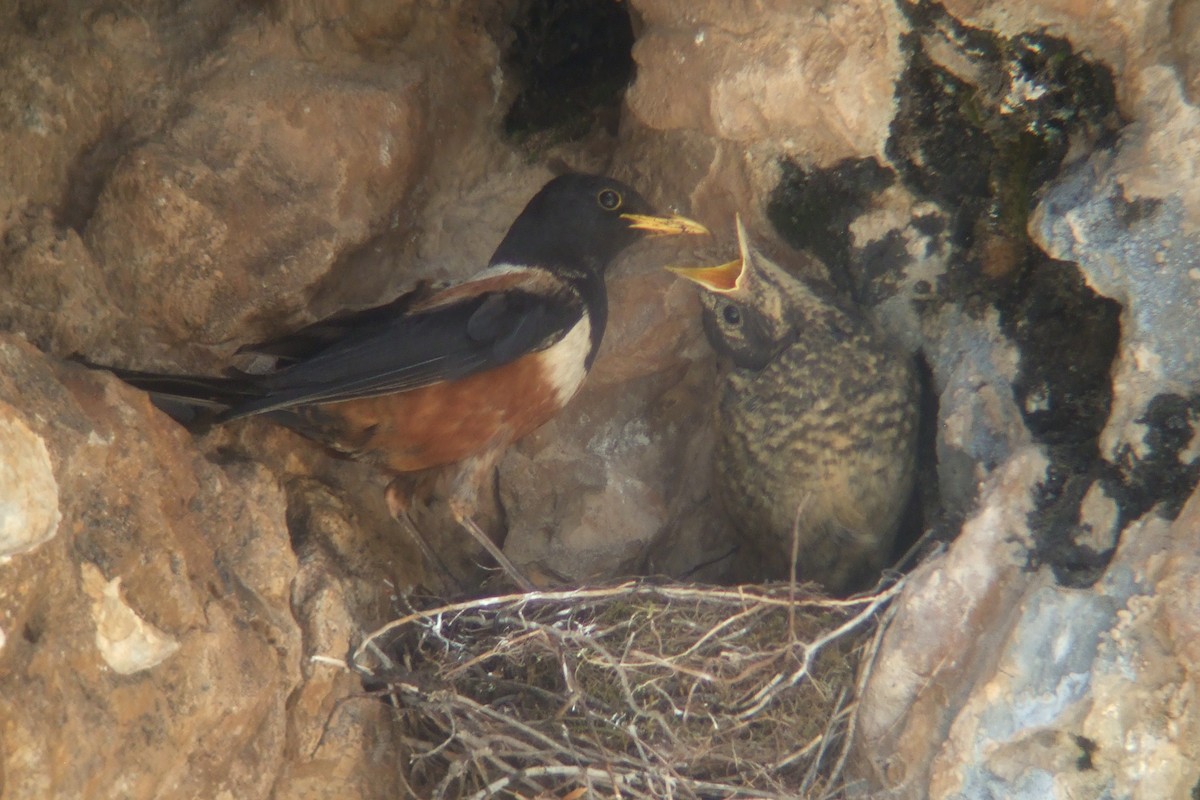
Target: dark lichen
{"x":1161,"y":478}
{"x":1162,"y":475}
{"x":1087,"y":752}
{"x":980,"y":142}
{"x":1055,"y":523}
{"x":1003,"y":136}
{"x":879,"y":264}
{"x":984,"y":148}
{"x":812,"y":209}
{"x":1068,"y":336}
{"x":935,"y":141}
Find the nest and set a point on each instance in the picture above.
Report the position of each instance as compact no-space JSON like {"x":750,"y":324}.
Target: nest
{"x":638,"y":690}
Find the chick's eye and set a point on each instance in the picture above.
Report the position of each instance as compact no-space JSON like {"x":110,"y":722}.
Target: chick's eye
{"x":732,"y":315}
{"x":609,"y":199}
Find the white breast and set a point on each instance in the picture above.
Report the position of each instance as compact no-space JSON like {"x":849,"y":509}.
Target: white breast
{"x":563,"y":363}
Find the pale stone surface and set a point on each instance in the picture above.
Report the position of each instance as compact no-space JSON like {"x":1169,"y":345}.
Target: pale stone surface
{"x":928,"y":653}
{"x":1066,"y":693}
{"x":157,"y":628}
{"x":979,"y":423}
{"x":1138,"y":40}
{"x":29,"y":500}
{"x":264,"y":130}
{"x":809,"y":79}
{"x":131,"y":512}
{"x":126,"y":642}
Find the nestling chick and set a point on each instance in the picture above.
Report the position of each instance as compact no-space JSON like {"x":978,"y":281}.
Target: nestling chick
{"x":816,"y":424}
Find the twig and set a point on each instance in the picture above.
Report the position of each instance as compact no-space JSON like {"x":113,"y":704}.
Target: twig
{"x":639,"y":690}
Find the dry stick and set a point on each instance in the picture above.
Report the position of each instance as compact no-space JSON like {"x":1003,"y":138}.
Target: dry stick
{"x":450,"y":737}
{"x":484,"y":750}
{"x":651,"y":660}
{"x":795,"y":558}
{"x":867,"y":659}
{"x":800,"y":753}
{"x":409,"y":525}
{"x":915,"y":548}
{"x":500,"y":647}
{"x":749,"y":600}
{"x":728,"y":621}
{"x":476,"y":603}
{"x":619,"y":668}
{"x":616,"y":666}
{"x":620,"y":782}
{"x":765,"y":694}
{"x":743,"y":595}
{"x":669,"y":699}
{"x":498,"y":716}
{"x":810,"y":775}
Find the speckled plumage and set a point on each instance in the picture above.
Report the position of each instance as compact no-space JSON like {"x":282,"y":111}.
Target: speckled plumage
{"x":816,"y":423}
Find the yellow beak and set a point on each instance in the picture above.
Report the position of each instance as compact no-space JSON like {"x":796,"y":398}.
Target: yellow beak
{"x":672,"y":225}
{"x":721,"y":279}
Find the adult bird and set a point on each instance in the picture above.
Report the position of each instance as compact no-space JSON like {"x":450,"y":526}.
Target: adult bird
{"x":452,"y":375}
{"x":816,"y":423}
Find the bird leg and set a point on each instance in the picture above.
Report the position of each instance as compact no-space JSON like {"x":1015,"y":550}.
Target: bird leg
{"x":399,"y":502}
{"x":463,"y":502}
{"x":463,"y":517}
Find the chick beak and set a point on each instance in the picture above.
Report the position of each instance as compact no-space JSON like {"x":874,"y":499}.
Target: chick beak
{"x":722,"y":279}
{"x":673,"y":225}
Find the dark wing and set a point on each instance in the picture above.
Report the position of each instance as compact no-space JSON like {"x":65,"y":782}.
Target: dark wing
{"x":311,"y":339}
{"x":192,"y":400}
{"x":438,"y":342}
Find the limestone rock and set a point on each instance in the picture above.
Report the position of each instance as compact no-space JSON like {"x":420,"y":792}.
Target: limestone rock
{"x":979,"y":423}
{"x":53,"y":291}
{"x":814,"y":80}
{"x":76,"y":84}
{"x":29,"y":498}
{"x":179,"y":264}
{"x":1079,"y":694}
{"x":594,"y":494}
{"x":126,"y":642}
{"x":163,"y":605}
{"x":141,"y":514}
{"x":904,"y":705}
{"x":1141,"y":251}
{"x":1185,"y":46}
{"x":178,"y":180}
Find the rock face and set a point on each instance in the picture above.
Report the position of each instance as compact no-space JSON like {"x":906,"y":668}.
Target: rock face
{"x":161,"y":603}
{"x":30,"y":502}
{"x":1141,"y":251}
{"x":1011,"y":192}
{"x":824,"y":94}
{"x":176,"y":182}
{"x":1035,"y":690}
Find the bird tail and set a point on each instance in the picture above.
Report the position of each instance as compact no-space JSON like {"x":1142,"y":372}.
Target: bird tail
{"x":192,"y":400}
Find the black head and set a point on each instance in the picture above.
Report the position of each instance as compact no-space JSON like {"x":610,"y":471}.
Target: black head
{"x":581,"y":222}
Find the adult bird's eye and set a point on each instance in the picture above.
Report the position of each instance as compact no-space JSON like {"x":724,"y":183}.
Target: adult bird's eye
{"x":732,"y":315}
{"x":609,"y":199}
